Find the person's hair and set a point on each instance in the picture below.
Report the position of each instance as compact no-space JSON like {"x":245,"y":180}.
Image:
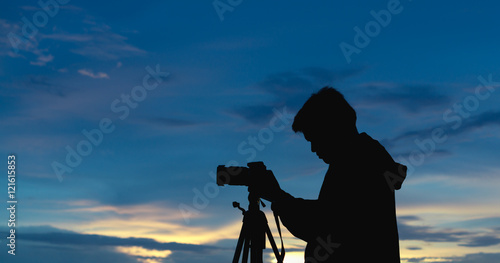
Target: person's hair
{"x":325,"y":109}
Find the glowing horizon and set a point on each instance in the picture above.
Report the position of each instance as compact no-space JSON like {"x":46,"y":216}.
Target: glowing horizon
{"x":118,"y":116}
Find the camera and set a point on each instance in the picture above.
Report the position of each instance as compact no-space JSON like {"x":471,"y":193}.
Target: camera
{"x":238,"y":175}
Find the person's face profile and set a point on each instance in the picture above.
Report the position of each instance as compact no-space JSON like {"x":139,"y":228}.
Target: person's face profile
{"x":328,"y":143}
{"x":321,"y":144}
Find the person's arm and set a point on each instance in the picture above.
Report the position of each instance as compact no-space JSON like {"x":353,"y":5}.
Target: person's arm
{"x":305,"y":219}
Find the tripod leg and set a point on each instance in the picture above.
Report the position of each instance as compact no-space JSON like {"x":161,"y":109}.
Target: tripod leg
{"x":257,"y":237}
{"x":239,"y":246}
{"x":246,"y":247}
{"x":273,"y":245}
{"x":256,"y":255}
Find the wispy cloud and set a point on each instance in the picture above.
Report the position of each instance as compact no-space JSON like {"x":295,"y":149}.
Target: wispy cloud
{"x":468,"y":258}
{"x":485,"y":119}
{"x":290,"y":89}
{"x":42,"y":60}
{"x":82,"y":35}
{"x":233,"y":44}
{"x":98,"y":41}
{"x":428,"y":234}
{"x":103,"y":44}
{"x":482,"y":241}
{"x":115,"y":248}
{"x":68,"y":37}
{"x":306,"y":80}
{"x":37,"y":83}
{"x":90,"y":73}
{"x":68,"y":238}
{"x":15,"y":45}
{"x":469,"y":238}
{"x":410,"y":98}
{"x":171,"y":122}
{"x":161,"y":221}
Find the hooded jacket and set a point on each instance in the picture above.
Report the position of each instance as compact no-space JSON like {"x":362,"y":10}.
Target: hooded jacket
{"x":354,"y":217}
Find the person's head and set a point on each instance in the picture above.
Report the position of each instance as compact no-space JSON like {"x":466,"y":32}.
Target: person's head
{"x":328,"y":122}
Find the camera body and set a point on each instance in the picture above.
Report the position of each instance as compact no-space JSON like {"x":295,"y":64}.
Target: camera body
{"x":238,"y":175}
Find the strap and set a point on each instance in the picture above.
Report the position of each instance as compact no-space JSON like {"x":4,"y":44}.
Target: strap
{"x":281,"y":256}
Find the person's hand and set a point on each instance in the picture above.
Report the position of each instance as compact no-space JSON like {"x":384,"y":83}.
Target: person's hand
{"x":266,"y":186}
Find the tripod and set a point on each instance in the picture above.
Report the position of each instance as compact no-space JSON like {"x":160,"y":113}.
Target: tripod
{"x":253,"y":233}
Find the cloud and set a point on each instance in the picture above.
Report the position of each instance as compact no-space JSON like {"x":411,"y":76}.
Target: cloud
{"x":43,"y":252}
{"x":458,"y":127}
{"x":16,"y":45}
{"x":69,"y":246}
{"x":171,"y":122}
{"x":82,"y":35}
{"x":482,"y":241}
{"x":468,"y":258}
{"x":438,"y":153}
{"x":255,"y":114}
{"x":486,"y":222}
{"x":425,"y":233}
{"x":479,"y":258}
{"x":6,"y":41}
{"x":78,"y":239}
{"x":68,"y":37}
{"x":408,"y":218}
{"x":89,"y":73}
{"x":43,"y":84}
{"x":97,"y":40}
{"x":290,"y":89}
{"x":42,"y":60}
{"x":235,"y":43}
{"x":162,"y":221}
{"x":430,"y":234}
{"x":289,"y":84}
{"x":106,"y":45}
{"x":488,"y":118}
{"x":410,"y":98}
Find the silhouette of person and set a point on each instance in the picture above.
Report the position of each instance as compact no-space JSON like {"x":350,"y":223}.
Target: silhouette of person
{"x":354,"y":217}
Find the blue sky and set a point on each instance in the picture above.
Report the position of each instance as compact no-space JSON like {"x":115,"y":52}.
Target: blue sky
{"x":153,"y":95}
